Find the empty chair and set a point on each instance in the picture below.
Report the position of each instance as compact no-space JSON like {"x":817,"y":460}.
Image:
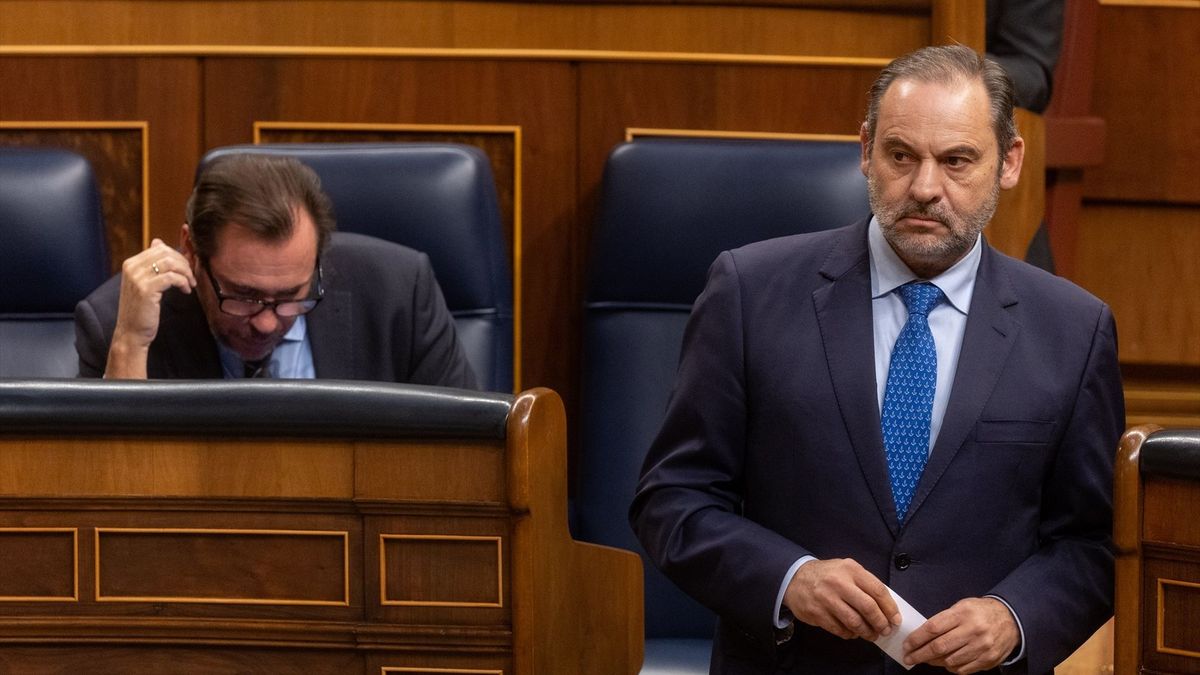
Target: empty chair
{"x":52,"y":254}
{"x":667,"y":209}
{"x":439,"y":199}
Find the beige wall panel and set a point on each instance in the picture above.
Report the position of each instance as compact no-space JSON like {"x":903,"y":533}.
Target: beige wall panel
{"x":1141,"y":260}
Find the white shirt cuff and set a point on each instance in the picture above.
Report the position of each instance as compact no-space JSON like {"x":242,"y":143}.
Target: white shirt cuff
{"x":779,"y":621}
{"x":1020,"y":629}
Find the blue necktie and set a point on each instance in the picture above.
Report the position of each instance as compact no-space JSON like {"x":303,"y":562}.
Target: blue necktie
{"x":908,"y":396}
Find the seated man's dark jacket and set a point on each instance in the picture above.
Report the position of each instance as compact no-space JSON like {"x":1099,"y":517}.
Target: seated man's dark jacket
{"x":383,"y":318}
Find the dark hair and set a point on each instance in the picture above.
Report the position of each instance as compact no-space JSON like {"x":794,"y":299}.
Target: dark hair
{"x":258,"y":192}
{"x":949,"y":64}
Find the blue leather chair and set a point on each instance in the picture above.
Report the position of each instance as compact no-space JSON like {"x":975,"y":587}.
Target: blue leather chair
{"x":439,"y":199}
{"x":667,"y":209}
{"x":52,"y":254}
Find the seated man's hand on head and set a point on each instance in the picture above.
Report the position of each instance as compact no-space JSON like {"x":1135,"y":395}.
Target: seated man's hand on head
{"x":144,"y":279}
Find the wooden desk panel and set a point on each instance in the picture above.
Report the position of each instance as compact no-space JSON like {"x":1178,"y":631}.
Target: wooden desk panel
{"x":124,"y":553}
{"x":1158,"y":563}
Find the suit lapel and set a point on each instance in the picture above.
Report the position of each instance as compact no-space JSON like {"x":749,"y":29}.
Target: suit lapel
{"x":185,"y":347}
{"x":843,"y":309}
{"x":987,"y":341}
{"x":331,"y":333}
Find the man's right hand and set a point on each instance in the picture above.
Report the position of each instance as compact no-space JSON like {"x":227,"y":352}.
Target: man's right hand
{"x":144,"y":279}
{"x":843,"y":598}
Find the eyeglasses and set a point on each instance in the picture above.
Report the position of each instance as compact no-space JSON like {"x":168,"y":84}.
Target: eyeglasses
{"x":250,"y":307}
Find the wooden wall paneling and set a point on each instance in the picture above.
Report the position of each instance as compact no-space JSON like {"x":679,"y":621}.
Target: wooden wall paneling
{"x":425,"y":569}
{"x":536,"y":97}
{"x":792,"y":28}
{"x":1147,"y":68}
{"x":1141,"y":260}
{"x":1160,"y":400}
{"x":43,"y":564}
{"x":203,"y":660}
{"x":224,"y":566}
{"x":99,"y":106}
{"x":292,"y":563}
{"x":954,"y":21}
{"x":1020,"y":210}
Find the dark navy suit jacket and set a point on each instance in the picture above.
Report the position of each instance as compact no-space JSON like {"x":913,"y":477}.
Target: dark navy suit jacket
{"x":772,"y":450}
{"x":383,"y":318}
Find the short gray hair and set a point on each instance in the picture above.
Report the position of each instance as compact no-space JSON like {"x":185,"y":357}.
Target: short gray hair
{"x":946,"y":65}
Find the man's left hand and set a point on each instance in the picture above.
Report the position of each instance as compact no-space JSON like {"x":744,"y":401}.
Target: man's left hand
{"x":973,"y":635}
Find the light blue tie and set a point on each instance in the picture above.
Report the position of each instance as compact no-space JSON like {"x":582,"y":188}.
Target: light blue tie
{"x":908,"y":396}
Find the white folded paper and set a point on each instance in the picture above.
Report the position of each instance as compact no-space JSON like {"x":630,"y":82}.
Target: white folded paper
{"x":910,"y":620}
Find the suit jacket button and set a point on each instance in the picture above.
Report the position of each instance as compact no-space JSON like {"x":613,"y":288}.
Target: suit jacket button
{"x":902,"y":561}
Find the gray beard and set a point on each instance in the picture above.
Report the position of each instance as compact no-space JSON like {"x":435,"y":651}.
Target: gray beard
{"x":938,"y":255}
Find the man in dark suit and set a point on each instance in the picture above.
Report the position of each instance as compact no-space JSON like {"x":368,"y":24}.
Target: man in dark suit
{"x":262,"y":286}
{"x":895,"y":404}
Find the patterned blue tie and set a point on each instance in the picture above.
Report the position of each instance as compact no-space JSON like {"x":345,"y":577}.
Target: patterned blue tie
{"x":908,"y":396}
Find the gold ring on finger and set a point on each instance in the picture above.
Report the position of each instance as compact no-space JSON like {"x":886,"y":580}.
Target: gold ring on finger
{"x":154,"y":266}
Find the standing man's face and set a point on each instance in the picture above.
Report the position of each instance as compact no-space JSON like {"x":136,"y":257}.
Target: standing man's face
{"x":934,"y":172}
{"x":246,"y":266}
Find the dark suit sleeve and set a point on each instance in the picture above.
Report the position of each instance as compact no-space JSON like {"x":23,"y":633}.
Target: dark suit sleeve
{"x":91,"y":343}
{"x":1065,"y":590}
{"x":687,"y":508}
{"x":437,"y":356}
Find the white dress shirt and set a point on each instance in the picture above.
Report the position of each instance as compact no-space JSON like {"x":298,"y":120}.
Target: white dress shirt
{"x":292,"y":358}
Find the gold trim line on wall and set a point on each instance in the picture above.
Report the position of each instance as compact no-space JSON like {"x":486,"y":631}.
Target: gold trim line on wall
{"x":632,"y":133}
{"x":589,"y":55}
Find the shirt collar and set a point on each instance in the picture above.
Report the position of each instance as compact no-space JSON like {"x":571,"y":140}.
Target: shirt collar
{"x":232,"y":363}
{"x":888,"y":271}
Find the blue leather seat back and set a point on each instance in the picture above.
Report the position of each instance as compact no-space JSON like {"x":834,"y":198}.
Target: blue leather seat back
{"x":441,"y":200}
{"x":667,"y":209}
{"x":52,"y":254}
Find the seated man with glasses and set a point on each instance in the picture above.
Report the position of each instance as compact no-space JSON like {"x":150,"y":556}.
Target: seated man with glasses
{"x":262,"y":286}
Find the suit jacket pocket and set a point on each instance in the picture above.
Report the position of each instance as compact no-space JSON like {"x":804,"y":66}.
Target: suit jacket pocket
{"x":1014,"y":432}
